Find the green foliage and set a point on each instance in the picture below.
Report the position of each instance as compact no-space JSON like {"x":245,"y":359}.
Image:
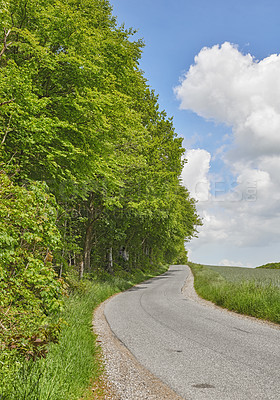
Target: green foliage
{"x":246,"y":296}
{"x":77,"y":113}
{"x":29,"y":291}
{"x":81,"y":116}
{"x":271,"y":266}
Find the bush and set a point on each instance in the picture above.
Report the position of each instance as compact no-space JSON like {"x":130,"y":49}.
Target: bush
{"x":30,"y":292}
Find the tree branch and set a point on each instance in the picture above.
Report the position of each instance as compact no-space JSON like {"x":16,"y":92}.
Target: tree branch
{"x":2,"y":326}
{"x":5,"y":45}
{"x":6,"y":102}
{"x":7,"y":131}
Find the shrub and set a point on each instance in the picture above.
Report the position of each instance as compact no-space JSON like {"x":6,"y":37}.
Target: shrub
{"x":29,"y":290}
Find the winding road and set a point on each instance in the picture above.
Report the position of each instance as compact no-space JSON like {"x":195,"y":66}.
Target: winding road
{"x":200,"y":352}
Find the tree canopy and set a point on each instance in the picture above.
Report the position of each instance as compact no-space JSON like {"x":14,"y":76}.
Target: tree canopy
{"x":90,"y":165}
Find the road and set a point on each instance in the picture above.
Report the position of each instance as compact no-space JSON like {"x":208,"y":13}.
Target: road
{"x":200,"y":352}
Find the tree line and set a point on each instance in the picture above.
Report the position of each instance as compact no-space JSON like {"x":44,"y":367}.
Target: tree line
{"x":89,"y":165}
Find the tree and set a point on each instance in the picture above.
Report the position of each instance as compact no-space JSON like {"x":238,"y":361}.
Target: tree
{"x":80,"y":116}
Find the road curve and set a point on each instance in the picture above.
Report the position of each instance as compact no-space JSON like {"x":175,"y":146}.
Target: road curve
{"x":200,"y":352}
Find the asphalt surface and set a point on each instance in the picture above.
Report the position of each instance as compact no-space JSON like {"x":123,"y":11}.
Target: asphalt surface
{"x":198,"y":351}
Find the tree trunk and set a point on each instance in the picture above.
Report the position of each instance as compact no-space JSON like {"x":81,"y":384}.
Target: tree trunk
{"x":151,"y":255}
{"x":88,"y":246}
{"x":63,"y":250}
{"x":81,"y":269}
{"x":93,"y":215}
{"x":110,"y":260}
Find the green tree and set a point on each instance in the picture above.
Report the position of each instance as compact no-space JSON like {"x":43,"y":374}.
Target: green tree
{"x":77,"y":113}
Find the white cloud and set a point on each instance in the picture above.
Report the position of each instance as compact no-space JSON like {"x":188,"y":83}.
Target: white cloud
{"x":230,"y":263}
{"x":229,"y":87}
{"x":195,"y":174}
{"x":232,"y":88}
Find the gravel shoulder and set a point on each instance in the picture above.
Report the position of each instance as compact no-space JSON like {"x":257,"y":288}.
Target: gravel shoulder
{"x":126,"y":379}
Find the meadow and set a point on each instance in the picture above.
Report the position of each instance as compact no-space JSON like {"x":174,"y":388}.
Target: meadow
{"x":254,"y":292}
{"x":259,"y":275}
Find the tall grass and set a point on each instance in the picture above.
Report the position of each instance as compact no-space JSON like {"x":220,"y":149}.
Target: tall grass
{"x":72,"y":364}
{"x":248,"y":297}
{"x":260,"y":275}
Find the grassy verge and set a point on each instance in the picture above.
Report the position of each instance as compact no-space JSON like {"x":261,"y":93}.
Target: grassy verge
{"x":71,"y":365}
{"x":248,"y":297}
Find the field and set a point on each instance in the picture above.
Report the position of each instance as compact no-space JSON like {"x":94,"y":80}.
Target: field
{"x":259,"y":275}
{"x":254,"y":292}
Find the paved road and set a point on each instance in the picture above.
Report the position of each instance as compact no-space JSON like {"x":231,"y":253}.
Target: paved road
{"x":200,"y":352}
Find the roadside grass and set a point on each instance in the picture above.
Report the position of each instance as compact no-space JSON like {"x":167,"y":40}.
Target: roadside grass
{"x":74,"y":363}
{"x":252,"y":297}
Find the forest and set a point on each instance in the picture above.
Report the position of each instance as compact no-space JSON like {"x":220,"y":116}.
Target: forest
{"x":89,"y":165}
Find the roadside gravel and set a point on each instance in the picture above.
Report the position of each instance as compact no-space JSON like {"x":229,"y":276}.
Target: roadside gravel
{"x":126,"y":379}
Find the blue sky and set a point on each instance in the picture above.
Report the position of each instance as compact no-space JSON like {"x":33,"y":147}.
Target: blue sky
{"x":175,"y":32}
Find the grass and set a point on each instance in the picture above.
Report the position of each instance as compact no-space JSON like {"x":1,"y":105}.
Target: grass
{"x":74,"y":363}
{"x":241,"y":290}
{"x":260,"y":276}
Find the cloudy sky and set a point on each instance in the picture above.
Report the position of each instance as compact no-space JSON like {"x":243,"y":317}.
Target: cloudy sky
{"x":216,"y":68}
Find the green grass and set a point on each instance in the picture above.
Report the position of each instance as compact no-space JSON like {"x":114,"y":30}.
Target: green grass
{"x":72,"y":364}
{"x":260,"y":276}
{"x":240,"y":289}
